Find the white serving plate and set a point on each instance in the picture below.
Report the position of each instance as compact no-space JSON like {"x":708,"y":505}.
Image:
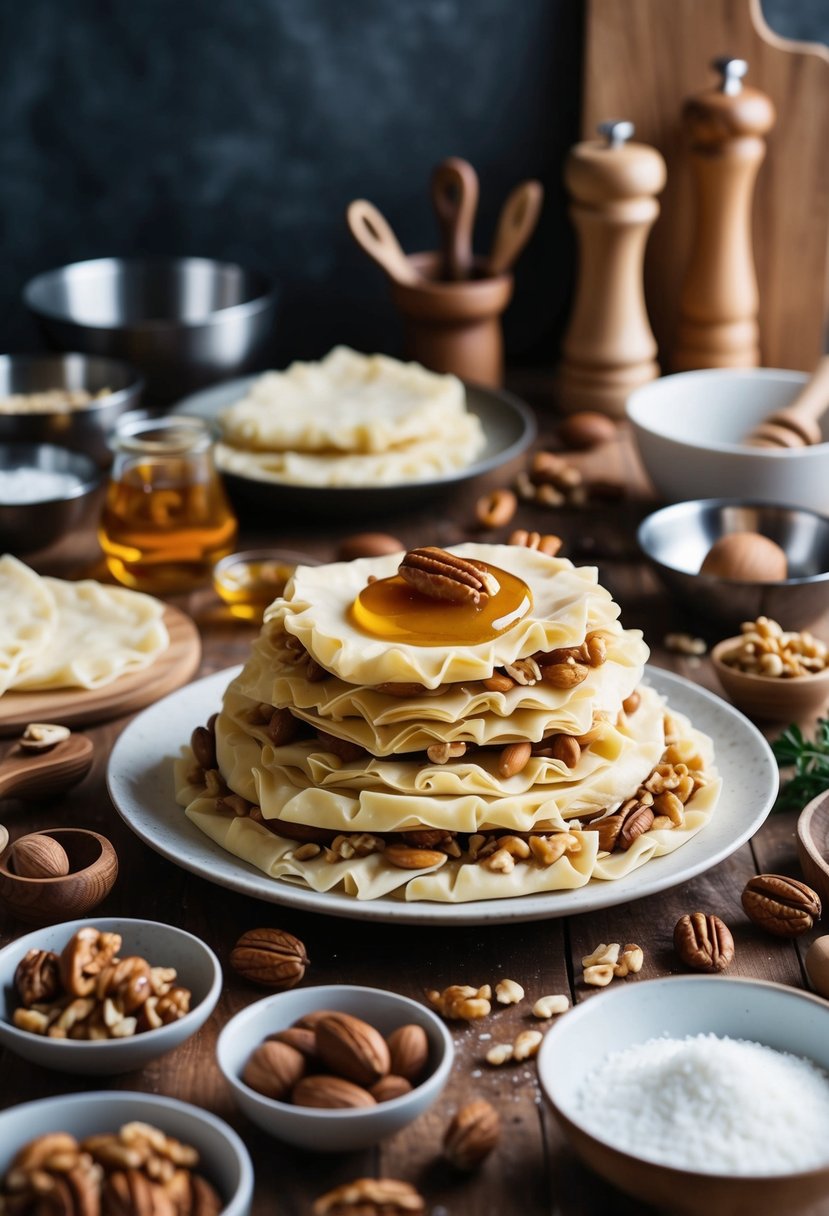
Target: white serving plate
{"x":140,"y":781}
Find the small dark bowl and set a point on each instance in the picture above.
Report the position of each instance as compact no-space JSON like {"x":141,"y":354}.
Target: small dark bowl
{"x":676,"y":540}
{"x":26,"y":526}
{"x":84,"y":429}
{"x":183,"y":322}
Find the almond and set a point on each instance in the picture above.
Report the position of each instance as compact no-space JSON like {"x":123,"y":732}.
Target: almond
{"x":368,"y":544}
{"x":269,"y":957}
{"x":409,"y":1051}
{"x":352,"y":1049}
{"x":407,"y":858}
{"x":273,"y":1069}
{"x":514,"y":758}
{"x":390,"y":1087}
{"x":330,"y":1093}
{"x":586,"y":429}
{"x":304,"y":1040}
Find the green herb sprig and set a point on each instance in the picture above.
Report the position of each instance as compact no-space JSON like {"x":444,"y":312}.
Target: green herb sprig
{"x":810,"y":760}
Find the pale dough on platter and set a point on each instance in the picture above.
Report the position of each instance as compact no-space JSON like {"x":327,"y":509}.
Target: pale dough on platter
{"x":347,"y":402}
{"x":457,"y":445}
{"x":101,"y":633}
{"x":28,"y":616}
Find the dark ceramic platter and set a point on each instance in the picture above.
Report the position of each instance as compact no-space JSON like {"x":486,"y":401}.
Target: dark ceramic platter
{"x":508,"y":423}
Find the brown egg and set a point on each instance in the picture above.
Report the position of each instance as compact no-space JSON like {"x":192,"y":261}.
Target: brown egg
{"x":746,"y":557}
{"x":817,"y":965}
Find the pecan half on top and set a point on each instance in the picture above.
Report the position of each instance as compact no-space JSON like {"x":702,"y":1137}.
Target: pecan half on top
{"x":445,"y":576}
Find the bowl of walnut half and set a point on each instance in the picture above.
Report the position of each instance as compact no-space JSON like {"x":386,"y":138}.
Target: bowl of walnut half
{"x":335,"y":1067}
{"x":104,"y":996}
{"x":122,"y":1152}
{"x":774,"y":674}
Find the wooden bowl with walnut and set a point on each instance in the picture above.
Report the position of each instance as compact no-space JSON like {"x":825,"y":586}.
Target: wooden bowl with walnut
{"x":38,"y":890}
{"x":75,"y":997}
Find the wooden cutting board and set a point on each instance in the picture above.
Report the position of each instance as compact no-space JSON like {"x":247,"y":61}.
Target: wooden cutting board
{"x":81,"y":706}
{"x":642,"y":59}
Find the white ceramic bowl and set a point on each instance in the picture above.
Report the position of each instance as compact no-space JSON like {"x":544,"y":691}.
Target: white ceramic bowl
{"x":689,"y":429}
{"x":771,"y":1014}
{"x":333,"y":1130}
{"x":162,"y":946}
{"x":225,"y":1160}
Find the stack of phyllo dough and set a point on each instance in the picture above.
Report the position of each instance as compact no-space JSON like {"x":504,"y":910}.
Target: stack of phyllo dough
{"x":447,"y":725}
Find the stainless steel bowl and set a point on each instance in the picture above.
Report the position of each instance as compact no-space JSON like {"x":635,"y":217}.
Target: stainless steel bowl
{"x":83,"y":430}
{"x":33,"y":524}
{"x":183,"y":322}
{"x":676,"y":539}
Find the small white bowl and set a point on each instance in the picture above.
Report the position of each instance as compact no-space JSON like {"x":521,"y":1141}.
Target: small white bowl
{"x":224,"y":1160}
{"x":689,"y":429}
{"x":162,"y":946}
{"x":333,"y":1130}
{"x":772,"y":1014}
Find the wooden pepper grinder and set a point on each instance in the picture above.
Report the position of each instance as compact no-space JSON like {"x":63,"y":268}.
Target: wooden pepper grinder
{"x":609,"y":348}
{"x":719,"y":302}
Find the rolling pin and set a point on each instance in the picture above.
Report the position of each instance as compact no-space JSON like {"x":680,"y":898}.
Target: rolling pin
{"x":609,"y":348}
{"x":719,"y":301}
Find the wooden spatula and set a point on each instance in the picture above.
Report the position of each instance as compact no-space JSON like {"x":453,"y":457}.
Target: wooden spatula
{"x":38,"y":774}
{"x":797,"y":425}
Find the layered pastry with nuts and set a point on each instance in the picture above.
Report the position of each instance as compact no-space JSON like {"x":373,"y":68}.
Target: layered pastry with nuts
{"x":457,"y":725}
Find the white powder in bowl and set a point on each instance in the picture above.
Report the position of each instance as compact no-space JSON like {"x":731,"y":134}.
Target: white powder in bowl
{"x":712,"y":1105}
{"x":35,"y":485}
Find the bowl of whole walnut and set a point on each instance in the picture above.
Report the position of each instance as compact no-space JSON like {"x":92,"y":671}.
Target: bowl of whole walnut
{"x":335,"y":1067}
{"x":103,"y":996}
{"x":702,"y":1095}
{"x":120,"y":1151}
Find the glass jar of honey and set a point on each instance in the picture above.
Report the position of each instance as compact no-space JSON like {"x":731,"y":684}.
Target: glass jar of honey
{"x":166,"y":519}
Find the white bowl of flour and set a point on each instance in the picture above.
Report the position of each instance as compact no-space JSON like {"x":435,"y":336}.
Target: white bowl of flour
{"x":700,"y":1094}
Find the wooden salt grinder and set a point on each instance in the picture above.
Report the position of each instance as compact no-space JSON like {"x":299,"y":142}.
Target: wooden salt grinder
{"x":719,"y":301}
{"x":609,"y":348}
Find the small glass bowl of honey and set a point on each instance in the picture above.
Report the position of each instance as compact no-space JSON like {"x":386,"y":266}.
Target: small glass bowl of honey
{"x":248,"y":582}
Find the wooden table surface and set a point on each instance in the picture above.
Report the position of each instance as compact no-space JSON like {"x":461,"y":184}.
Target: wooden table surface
{"x":532,"y":1172}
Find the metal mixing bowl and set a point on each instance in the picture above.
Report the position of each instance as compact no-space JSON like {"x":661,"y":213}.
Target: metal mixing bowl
{"x":183,"y":322}
{"x":26,"y":526}
{"x":84,"y":429}
{"x":676,"y":539}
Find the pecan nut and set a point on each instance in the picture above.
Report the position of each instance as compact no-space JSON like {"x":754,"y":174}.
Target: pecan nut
{"x":84,"y":957}
{"x":472,"y":1134}
{"x":371,"y":1197}
{"x":271,"y":958}
{"x":780,"y":905}
{"x":37,"y":978}
{"x":703,"y":942}
{"x":445,"y":576}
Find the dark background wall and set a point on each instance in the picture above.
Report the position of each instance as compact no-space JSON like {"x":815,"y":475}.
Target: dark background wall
{"x":240,"y":129}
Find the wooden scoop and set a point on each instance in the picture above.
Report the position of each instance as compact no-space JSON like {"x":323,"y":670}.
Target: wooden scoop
{"x":516,"y":224}
{"x":26,"y":774}
{"x":372,"y":232}
{"x":796,"y":425}
{"x":455,"y":199}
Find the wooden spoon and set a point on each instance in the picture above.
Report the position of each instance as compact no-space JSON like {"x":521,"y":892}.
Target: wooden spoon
{"x":25,"y":774}
{"x":796,"y":425}
{"x":516,"y":224}
{"x":455,"y":199}
{"x":373,"y":233}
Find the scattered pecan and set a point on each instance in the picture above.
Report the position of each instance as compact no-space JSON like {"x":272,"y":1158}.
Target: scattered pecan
{"x":703,"y":942}
{"x":783,"y":906}
{"x":445,"y":576}
{"x":272,"y":958}
{"x":371,"y":1197}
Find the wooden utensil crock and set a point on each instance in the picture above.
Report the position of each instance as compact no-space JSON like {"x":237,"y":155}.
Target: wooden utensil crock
{"x":46,"y":901}
{"x":609,"y":348}
{"x":454,"y":327}
{"x":719,"y":303}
